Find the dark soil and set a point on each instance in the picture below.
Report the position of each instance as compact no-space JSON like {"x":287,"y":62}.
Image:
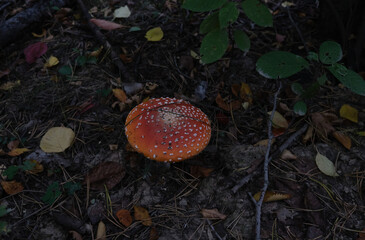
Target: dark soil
{"x":319,"y":206}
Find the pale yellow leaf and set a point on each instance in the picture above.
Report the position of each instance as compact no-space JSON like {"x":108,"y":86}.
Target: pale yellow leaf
{"x":154,"y":34}
{"x":278,"y":121}
{"x":52,"y":61}
{"x":349,"y":113}
{"x":101,"y":233}
{"x":57,"y":139}
{"x":122,"y":12}
{"x":325,"y":165}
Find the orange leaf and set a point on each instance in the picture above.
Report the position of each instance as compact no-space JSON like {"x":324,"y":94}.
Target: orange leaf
{"x":343,"y":139}
{"x":124,"y":217}
{"x":120,"y":94}
{"x":125,"y":58}
{"x":106,"y":25}
{"x":212,"y":213}
{"x":153,"y":234}
{"x":245,"y":93}
{"x":234,"y":105}
{"x":271,"y":196}
{"x":199,"y":171}
{"x":37,"y":168}
{"x":17,"y":151}
{"x":142,"y":214}
{"x":12,"y":187}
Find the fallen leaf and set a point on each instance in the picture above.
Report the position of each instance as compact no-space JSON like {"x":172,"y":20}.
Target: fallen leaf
{"x":57,"y":139}
{"x":17,"y":151}
{"x":75,"y":235}
{"x":12,"y":187}
{"x":101,"y":232}
{"x":350,"y":113}
{"x":37,"y":167}
{"x":234,"y":105}
{"x":271,"y":196}
{"x":199,"y":171}
{"x":105,"y":173}
{"x":122,"y":12}
{"x":246,"y":93}
{"x":125,"y":58}
{"x":9,"y":85}
{"x":343,"y":139}
{"x":4,"y":73}
{"x":106,"y":25}
{"x":44,"y":32}
{"x":120,"y":95}
{"x":97,"y":52}
{"x":154,"y":234}
{"x":276,"y":132}
{"x":141,"y":214}
{"x":362,"y":133}
{"x":278,"y":121}
{"x":322,"y":124}
{"x":213,"y":214}
{"x":325,"y":165}
{"x":264,"y":142}
{"x":13,"y":144}
{"x":51,"y":61}
{"x":154,"y":34}
{"x":308,"y":135}
{"x":288,"y":155}
{"x":124,"y":217}
{"x":34,"y":51}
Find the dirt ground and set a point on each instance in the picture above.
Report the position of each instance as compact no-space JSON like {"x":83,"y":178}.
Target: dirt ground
{"x":222,"y":178}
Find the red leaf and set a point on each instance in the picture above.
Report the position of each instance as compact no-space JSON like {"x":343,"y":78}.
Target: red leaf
{"x":106,"y":25}
{"x":34,"y":51}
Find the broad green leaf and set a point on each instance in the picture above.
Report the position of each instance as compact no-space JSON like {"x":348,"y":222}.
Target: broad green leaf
{"x":81,"y":60}
{"x":52,"y":193}
{"x":279,"y":64}
{"x":57,"y":139}
{"x":297,"y":88}
{"x":242,"y":40}
{"x":214,"y":45}
{"x":10,"y":172}
{"x":228,"y":14}
{"x":203,"y":5}
{"x":349,"y":78}
{"x":257,"y":12}
{"x":72,"y":187}
{"x":300,"y":108}
{"x":92,"y":60}
{"x":4,"y":227}
{"x":330,"y":52}
{"x":322,"y":79}
{"x":210,"y":23}
{"x":313,"y":56}
{"x":325,"y":165}
{"x":65,"y":70}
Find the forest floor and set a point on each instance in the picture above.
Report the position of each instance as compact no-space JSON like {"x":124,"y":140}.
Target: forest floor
{"x":206,"y":197}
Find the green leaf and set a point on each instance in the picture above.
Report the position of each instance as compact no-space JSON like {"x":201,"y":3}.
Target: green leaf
{"x":11,"y":171}
{"x":279,"y":64}
{"x":313,"y":56}
{"x":135,"y":29}
{"x":257,"y":12}
{"x":92,"y":60}
{"x":297,"y":88}
{"x":242,"y":40}
{"x":4,"y":227}
{"x":214,"y":45}
{"x":81,"y":60}
{"x":52,"y":193}
{"x":3,"y":211}
{"x":210,"y":23}
{"x":203,"y":5}
{"x":72,"y":187}
{"x":27,"y":165}
{"x":349,"y":78}
{"x":300,"y":108}
{"x":322,"y":79}
{"x":330,"y":52}
{"x":228,"y":14}
{"x":65,"y":70}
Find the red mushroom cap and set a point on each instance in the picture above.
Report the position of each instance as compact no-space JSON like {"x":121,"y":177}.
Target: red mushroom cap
{"x":167,"y":129}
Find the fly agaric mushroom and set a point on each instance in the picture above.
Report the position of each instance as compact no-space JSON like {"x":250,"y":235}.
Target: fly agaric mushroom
{"x":167,"y":129}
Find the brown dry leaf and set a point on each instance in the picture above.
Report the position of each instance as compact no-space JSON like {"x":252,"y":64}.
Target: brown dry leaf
{"x":278,"y":120}
{"x":12,"y":187}
{"x":13,"y":144}
{"x":154,"y":234}
{"x":234,"y":105}
{"x":235,"y":88}
{"x":101,"y":233}
{"x":106,"y":173}
{"x":287,"y":155}
{"x":199,"y":171}
{"x":322,"y":123}
{"x":343,"y":139}
{"x":308,"y":135}
{"x":120,"y":95}
{"x":246,"y":93}
{"x":17,"y":151}
{"x":124,"y":217}
{"x":2,"y":152}
{"x":141,"y":214}
{"x":75,"y":235}
{"x":38,"y":168}
{"x":264,"y":142}
{"x":271,"y":196}
{"x":276,"y":132}
{"x":212,"y":214}
{"x":106,"y":25}
{"x":125,"y":58}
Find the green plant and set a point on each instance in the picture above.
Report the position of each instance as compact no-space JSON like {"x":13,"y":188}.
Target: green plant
{"x":215,"y":25}
{"x":4,"y":225}
{"x":12,"y":170}
{"x":280,"y":64}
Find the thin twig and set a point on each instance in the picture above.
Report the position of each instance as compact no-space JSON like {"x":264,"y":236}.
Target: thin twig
{"x":266,"y":168}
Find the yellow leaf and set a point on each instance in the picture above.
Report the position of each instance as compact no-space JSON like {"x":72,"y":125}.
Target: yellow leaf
{"x":349,"y":113}
{"x":57,"y":139}
{"x":17,"y":151}
{"x":12,"y":187}
{"x":142,"y":214}
{"x":154,"y":34}
{"x":279,"y":121}
{"x":120,"y":94}
{"x":44,"y":32}
{"x":9,"y":85}
{"x":362,"y":134}
{"x":96,"y":52}
{"x":343,"y":139}
{"x":101,"y":232}
{"x":271,"y":196}
{"x":52,"y":61}
{"x":245,"y":93}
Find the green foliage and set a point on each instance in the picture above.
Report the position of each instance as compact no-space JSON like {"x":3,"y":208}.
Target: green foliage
{"x":330,"y":52}
{"x":3,"y":211}
{"x":279,"y":64}
{"x":72,"y":187}
{"x":65,"y":70}
{"x":11,"y":171}
{"x":297,"y":88}
{"x":4,"y":227}
{"x":300,"y":108}
{"x":348,"y":78}
{"x":215,"y":25}
{"x":52,"y":193}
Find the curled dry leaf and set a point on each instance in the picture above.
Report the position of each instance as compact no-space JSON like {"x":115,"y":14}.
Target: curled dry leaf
{"x":124,"y":217}
{"x":17,"y":151}
{"x":325,"y":165}
{"x":278,"y":120}
{"x":308,"y":135}
{"x":51,"y":61}
{"x":322,"y":123}
{"x":212,"y":214}
{"x":141,"y":214}
{"x":101,"y":233}
{"x":288,"y":155}
{"x":234,"y":105}
{"x":271,"y":196}
{"x":75,"y":235}
{"x":343,"y":139}
{"x":120,"y":95}
{"x":105,"y":173}
{"x":12,"y":187}
{"x":199,"y":171}
{"x":37,"y":168}
{"x":349,"y":113}
{"x":106,"y":25}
